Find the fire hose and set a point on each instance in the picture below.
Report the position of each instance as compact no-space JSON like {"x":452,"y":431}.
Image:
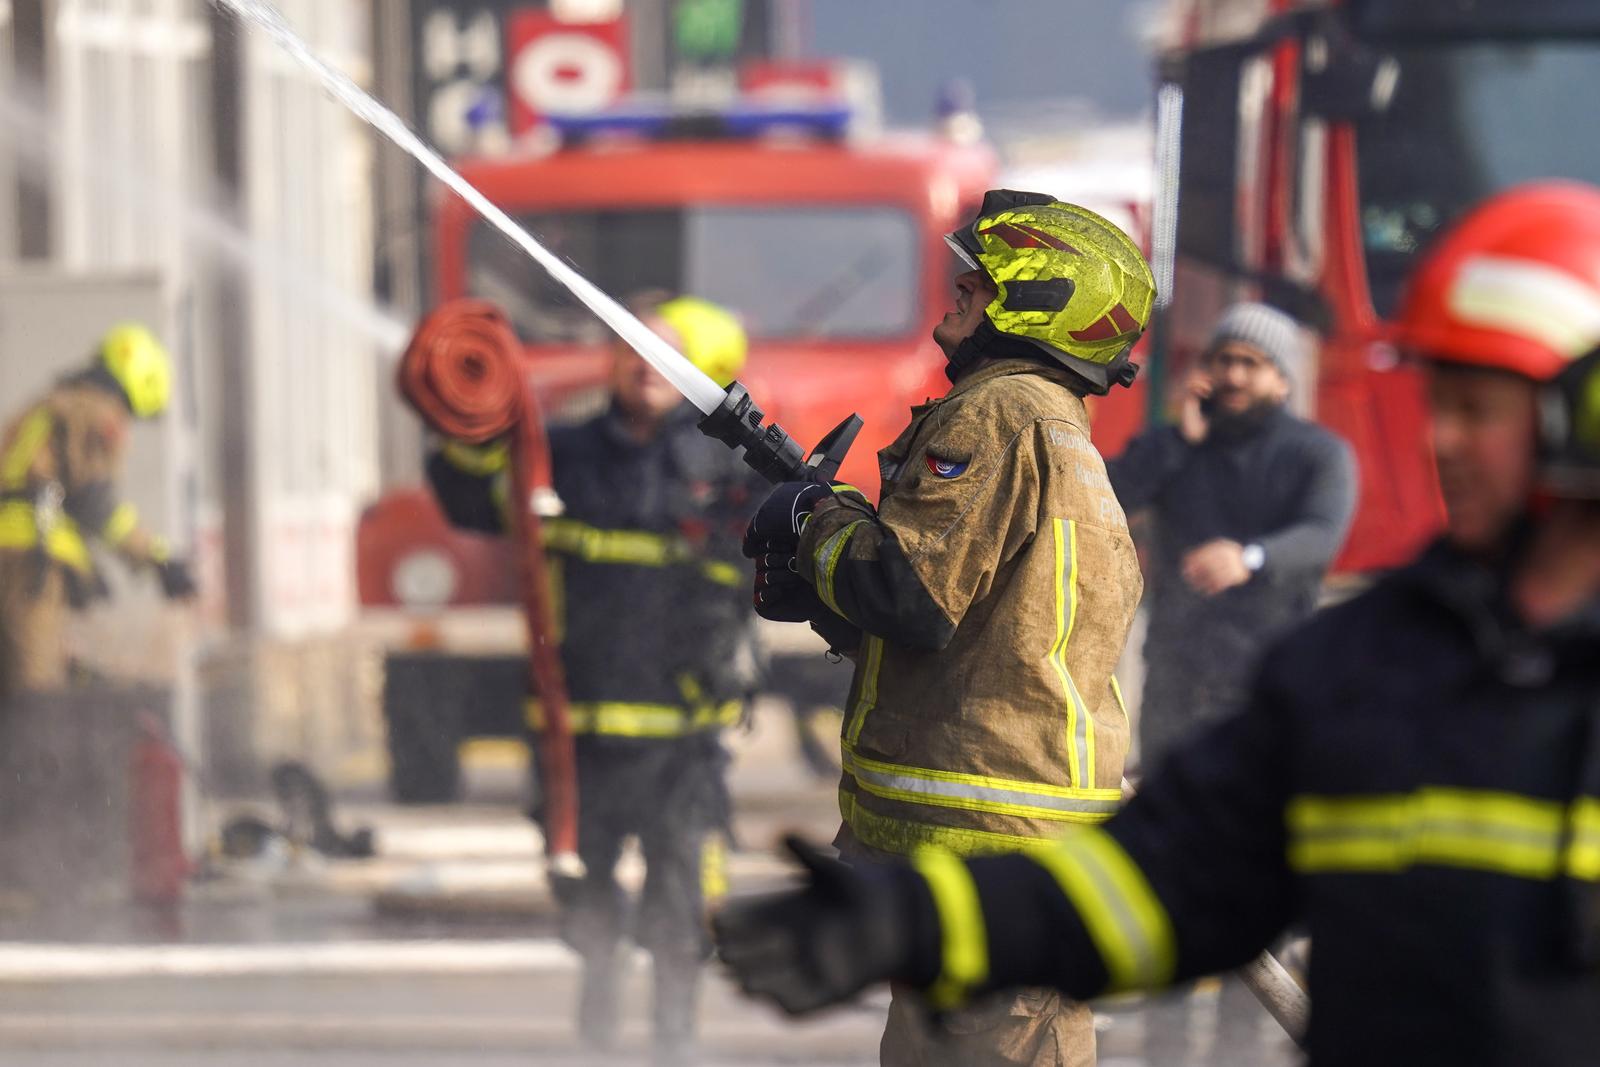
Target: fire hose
{"x":462,"y":375}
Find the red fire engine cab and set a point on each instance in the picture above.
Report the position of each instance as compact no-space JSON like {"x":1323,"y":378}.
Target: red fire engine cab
{"x":1307,"y":152}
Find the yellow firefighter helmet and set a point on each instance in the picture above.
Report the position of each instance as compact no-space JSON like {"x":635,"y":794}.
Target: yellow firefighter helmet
{"x":140,"y":365}
{"x":712,"y":337}
{"x":1069,"y":281}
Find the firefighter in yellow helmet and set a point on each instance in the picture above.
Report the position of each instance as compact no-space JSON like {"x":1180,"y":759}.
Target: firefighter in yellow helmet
{"x":1413,"y":779}
{"x":657,"y":648}
{"x":990,"y":591}
{"x":60,"y":461}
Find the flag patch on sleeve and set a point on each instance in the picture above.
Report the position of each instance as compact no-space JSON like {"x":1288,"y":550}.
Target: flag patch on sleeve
{"x":947,"y":468}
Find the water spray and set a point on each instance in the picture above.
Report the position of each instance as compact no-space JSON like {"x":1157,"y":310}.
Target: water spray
{"x":730,"y":415}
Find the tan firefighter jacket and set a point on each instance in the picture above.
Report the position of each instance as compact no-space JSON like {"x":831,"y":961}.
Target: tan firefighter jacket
{"x":59,"y":466}
{"x":1000,"y":581}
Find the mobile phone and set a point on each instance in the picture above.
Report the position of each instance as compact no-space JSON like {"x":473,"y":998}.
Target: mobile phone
{"x":1208,"y":405}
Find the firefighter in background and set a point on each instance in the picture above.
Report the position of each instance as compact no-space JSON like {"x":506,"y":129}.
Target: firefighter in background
{"x":1416,"y":776}
{"x":60,"y":462}
{"x":995,"y":586}
{"x":657,"y":646}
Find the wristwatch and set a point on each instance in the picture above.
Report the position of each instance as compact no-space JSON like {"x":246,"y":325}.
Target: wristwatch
{"x":1253,"y":557}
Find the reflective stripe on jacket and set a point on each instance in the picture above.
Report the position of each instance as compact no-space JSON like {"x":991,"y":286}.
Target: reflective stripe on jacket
{"x":1011,"y":730}
{"x":650,"y":606}
{"x":59,"y":464}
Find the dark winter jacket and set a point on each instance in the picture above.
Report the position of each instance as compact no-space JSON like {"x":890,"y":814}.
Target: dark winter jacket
{"x":1289,"y":486}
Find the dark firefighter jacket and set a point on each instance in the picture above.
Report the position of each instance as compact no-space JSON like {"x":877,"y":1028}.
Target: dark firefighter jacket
{"x":1414,"y":779}
{"x":650,"y":604}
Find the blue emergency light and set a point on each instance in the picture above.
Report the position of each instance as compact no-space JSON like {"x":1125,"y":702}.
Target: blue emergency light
{"x":825,"y":121}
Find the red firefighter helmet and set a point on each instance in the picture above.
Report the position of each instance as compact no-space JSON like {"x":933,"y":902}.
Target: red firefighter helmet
{"x":1513,"y":286}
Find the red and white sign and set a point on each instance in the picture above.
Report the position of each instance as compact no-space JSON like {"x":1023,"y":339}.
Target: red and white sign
{"x":796,"y":81}
{"x":555,"y":66}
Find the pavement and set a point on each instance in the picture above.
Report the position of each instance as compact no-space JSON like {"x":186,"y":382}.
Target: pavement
{"x":441,"y":950}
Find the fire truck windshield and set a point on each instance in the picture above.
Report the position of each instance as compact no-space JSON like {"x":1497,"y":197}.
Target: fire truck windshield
{"x":791,"y":273}
{"x":1469,"y":119}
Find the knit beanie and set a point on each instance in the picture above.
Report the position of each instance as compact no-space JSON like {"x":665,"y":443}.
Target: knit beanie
{"x":1275,"y":333}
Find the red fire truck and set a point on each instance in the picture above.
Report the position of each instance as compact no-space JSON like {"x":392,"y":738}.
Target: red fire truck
{"x":1309,"y":150}
{"x":830,"y":249}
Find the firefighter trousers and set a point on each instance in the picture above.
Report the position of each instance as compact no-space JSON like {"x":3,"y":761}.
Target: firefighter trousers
{"x":1025,"y":1028}
{"x":670,"y":795}
{"x":1021,"y":1027}
{"x":33,"y":619}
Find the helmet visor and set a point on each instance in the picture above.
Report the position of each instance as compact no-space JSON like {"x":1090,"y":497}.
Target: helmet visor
{"x":969,"y":256}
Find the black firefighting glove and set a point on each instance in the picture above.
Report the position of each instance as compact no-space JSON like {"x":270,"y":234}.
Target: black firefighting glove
{"x":849,"y":927}
{"x":177,"y":580}
{"x":772,"y":540}
{"x":780,"y":593}
{"x":778,"y":522}
{"x":783,"y":596}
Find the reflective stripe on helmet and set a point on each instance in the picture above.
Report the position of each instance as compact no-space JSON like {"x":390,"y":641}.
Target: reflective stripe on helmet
{"x":1521,"y":296}
{"x":1084,"y":292}
{"x":1512,"y":285}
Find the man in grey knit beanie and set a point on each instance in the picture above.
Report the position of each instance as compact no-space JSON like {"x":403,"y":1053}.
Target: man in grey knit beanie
{"x":1248,"y":503}
{"x":1273,"y":333}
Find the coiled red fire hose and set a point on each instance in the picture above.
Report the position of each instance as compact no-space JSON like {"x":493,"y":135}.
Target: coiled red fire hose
{"x":462,"y":375}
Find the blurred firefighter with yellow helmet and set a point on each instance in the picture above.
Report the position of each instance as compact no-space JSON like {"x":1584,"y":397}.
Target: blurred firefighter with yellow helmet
{"x":60,"y":462}
{"x":987,"y":597}
{"x":657,"y":645}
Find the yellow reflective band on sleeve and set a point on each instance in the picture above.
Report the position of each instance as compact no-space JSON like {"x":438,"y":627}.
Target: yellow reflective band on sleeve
{"x":1583,"y":848}
{"x":479,"y":460}
{"x":123,"y":521}
{"x":963,"y":940}
{"x":19,"y":529}
{"x":976,"y":792}
{"x":871,"y":661}
{"x":1499,"y":833}
{"x":901,"y":837}
{"x":620,"y":718}
{"x":719,"y":573}
{"x":1121,"y":912}
{"x":17,"y":463}
{"x":827,"y":562}
{"x":1080,"y":724}
{"x":594,"y":545}
{"x":17,"y":526}
{"x":713,"y":869}
{"x":845,"y":487}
